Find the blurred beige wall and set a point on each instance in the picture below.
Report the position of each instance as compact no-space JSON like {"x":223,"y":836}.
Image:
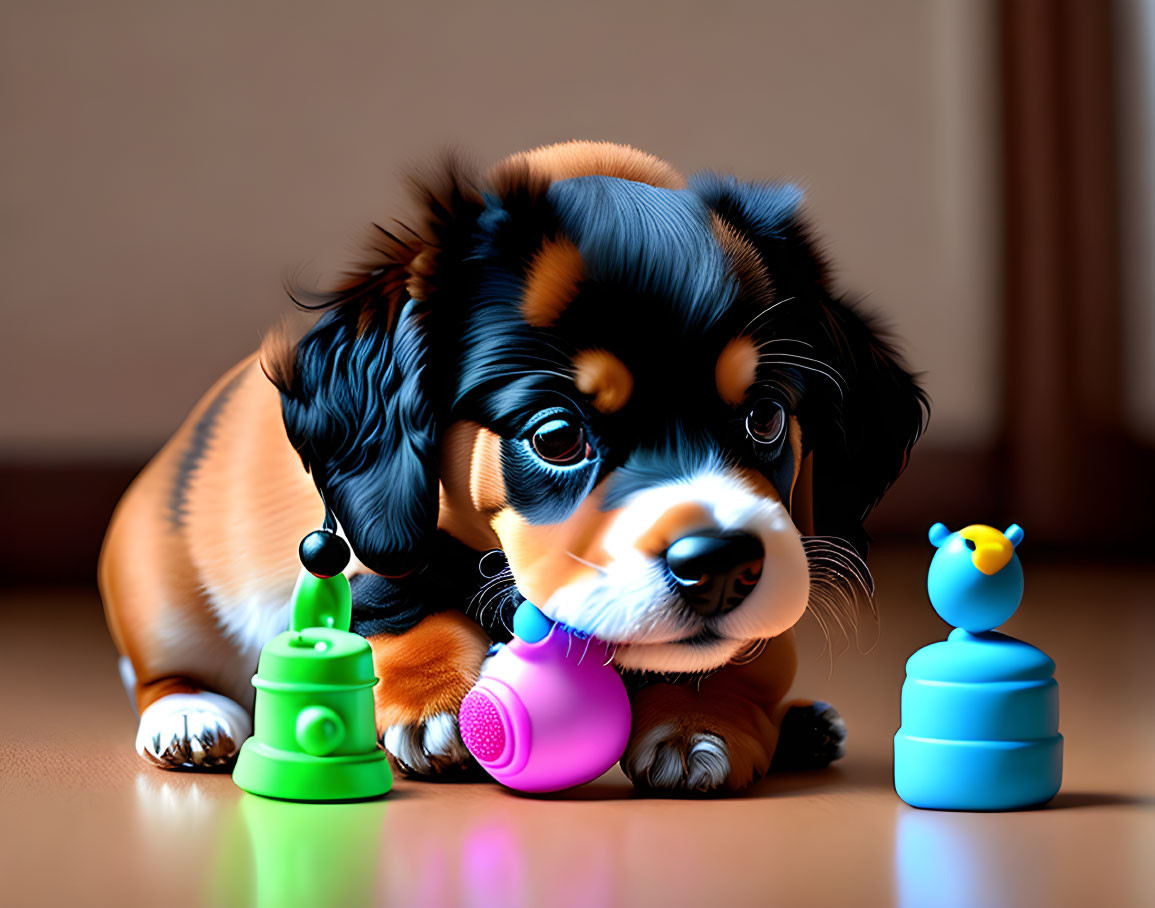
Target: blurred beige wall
{"x":163,"y":166}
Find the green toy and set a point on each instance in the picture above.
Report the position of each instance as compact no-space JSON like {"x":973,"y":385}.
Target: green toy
{"x":314,"y":735}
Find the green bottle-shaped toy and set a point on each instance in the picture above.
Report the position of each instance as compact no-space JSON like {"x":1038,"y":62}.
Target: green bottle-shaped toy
{"x":314,"y":735}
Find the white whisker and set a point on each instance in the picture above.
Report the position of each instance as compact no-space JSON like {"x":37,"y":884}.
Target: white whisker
{"x":785,"y":340}
{"x":596,"y":567}
{"x":799,"y":361}
{"x":761,"y":315}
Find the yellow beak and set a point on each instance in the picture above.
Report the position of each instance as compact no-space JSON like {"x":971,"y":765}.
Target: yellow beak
{"x":993,"y":551}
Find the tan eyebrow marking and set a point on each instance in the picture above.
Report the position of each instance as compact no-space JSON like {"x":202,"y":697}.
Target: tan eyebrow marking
{"x":552,"y":282}
{"x":605,"y":377}
{"x":736,"y":369}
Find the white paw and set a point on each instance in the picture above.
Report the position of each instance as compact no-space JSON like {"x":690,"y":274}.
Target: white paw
{"x":427,"y":748}
{"x":664,"y":759}
{"x":200,"y":730}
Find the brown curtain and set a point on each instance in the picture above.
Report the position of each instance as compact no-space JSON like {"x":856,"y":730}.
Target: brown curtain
{"x":1067,"y":469}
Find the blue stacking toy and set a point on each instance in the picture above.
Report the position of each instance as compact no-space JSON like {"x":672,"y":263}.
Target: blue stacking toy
{"x":980,"y":710}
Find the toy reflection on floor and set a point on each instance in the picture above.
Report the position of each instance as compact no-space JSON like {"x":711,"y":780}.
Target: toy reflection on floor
{"x":980,"y":711}
{"x":314,"y":734}
{"x":277,"y":854}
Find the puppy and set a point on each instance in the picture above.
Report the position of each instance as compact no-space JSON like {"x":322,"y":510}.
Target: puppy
{"x":579,"y":379}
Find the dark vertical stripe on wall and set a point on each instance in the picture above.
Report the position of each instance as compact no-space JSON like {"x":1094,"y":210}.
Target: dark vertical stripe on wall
{"x":1070,"y":472}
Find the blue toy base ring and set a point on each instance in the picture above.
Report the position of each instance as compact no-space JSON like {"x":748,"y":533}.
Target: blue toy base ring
{"x":977,"y":775}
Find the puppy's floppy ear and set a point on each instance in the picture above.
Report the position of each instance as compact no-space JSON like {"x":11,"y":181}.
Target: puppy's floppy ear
{"x":862,"y":411}
{"x":880,"y":414}
{"x":359,"y":412}
{"x":362,"y":393}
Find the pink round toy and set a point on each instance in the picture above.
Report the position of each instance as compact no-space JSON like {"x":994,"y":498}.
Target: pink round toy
{"x":549,"y":711}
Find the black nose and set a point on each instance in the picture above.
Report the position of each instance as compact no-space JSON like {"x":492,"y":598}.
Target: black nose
{"x":693,"y":559}
{"x":707,"y":564}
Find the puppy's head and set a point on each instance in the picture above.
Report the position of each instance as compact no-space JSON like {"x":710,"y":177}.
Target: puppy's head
{"x":640,"y":389}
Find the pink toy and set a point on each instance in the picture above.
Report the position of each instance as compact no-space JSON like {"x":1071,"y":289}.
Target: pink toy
{"x":549,"y":711}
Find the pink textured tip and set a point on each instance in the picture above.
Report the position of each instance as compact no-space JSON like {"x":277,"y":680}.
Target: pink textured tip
{"x":482,"y":729}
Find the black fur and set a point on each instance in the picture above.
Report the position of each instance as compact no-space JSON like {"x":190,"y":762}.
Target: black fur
{"x":457,"y":577}
{"x":881,"y":413}
{"x":811,"y":737}
{"x":862,"y":411}
{"x":359,"y":414}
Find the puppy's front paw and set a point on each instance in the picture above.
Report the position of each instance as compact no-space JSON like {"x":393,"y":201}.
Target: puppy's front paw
{"x":667,"y":759}
{"x":432,"y":747}
{"x":192,"y":731}
{"x":812,"y":736}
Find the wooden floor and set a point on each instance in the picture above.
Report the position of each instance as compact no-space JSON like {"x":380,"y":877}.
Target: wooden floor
{"x":84,"y":822}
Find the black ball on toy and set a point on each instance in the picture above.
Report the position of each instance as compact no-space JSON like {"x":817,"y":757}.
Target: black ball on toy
{"x":324,"y":554}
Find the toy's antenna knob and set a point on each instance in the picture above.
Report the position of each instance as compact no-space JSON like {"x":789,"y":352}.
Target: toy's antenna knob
{"x":324,"y":553}
{"x":323,"y":598}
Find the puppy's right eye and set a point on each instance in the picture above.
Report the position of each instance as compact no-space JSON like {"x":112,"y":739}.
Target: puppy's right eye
{"x":766,"y":422}
{"x":560,"y":441}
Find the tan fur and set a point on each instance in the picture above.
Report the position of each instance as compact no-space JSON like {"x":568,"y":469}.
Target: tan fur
{"x":471,"y":489}
{"x":421,"y":269}
{"x":794,"y":439}
{"x":680,"y":520}
{"x":742,"y":704}
{"x":551,"y":283}
{"x":428,"y":669}
{"x":542,"y":556}
{"x":736,"y":370}
{"x":248,"y":504}
{"x":280,"y":504}
{"x":486,"y":484}
{"x":576,"y":159}
{"x":275,"y":356}
{"x":604,"y":377}
{"x":745,"y":263}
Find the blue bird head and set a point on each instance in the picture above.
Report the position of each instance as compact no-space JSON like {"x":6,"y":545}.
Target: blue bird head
{"x":975,"y":579}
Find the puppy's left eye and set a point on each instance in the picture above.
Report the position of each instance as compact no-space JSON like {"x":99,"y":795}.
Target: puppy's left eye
{"x":561,"y":441}
{"x":766,"y":422}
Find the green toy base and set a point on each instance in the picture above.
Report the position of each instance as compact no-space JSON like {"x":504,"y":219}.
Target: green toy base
{"x":291,"y":776}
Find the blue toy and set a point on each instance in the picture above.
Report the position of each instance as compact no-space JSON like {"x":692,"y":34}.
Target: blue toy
{"x":980,"y":711}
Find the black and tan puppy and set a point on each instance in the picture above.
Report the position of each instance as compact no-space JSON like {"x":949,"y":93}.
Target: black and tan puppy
{"x":637,"y":394}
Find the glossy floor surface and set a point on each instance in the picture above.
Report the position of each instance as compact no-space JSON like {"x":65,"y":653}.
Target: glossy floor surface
{"x":84,"y":822}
